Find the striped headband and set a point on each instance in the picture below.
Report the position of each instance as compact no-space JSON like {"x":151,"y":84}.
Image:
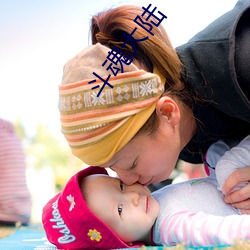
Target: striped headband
{"x":96,"y":127}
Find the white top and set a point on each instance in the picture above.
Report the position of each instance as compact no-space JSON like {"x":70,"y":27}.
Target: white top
{"x":194,"y":212}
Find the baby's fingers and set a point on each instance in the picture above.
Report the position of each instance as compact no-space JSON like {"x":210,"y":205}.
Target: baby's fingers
{"x":245,"y":211}
{"x":237,"y":177}
{"x":239,"y":198}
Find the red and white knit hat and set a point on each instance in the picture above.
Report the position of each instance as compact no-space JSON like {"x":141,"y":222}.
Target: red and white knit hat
{"x":69,"y":223}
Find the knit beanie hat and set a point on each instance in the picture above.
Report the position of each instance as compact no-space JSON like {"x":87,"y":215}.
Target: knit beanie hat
{"x":69,"y":223}
{"x":96,"y":123}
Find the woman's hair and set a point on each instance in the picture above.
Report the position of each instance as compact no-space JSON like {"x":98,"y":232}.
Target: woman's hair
{"x":154,"y":53}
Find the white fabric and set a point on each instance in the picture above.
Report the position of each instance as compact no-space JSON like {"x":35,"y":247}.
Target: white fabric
{"x":194,"y":212}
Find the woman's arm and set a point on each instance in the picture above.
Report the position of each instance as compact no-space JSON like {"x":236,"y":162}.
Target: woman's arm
{"x":233,"y":175}
{"x":231,"y":162}
{"x":237,"y":157}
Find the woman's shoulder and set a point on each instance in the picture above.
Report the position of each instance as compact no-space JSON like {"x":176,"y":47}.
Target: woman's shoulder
{"x":209,"y":65}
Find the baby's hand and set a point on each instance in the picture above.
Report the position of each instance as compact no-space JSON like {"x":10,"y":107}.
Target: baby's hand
{"x":240,"y":198}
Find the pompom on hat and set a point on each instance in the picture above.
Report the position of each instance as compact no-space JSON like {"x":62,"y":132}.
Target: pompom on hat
{"x":96,"y":127}
{"x":69,"y":223}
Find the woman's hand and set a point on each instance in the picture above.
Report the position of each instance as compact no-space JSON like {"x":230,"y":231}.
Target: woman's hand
{"x":240,"y":198}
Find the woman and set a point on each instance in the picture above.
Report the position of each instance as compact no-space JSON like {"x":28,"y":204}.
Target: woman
{"x":133,"y":124}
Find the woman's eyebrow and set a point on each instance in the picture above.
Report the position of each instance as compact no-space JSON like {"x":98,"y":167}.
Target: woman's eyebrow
{"x":115,"y":163}
{"x":112,"y":165}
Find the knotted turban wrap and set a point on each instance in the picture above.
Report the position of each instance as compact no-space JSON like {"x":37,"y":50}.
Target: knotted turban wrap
{"x":98,"y":127}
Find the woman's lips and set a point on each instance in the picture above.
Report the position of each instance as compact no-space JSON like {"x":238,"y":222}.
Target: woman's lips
{"x":148,"y":183}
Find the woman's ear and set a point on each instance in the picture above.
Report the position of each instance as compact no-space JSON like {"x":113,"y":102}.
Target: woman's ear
{"x":168,"y":110}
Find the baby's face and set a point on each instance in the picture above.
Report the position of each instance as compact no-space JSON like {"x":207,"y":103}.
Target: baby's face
{"x":130,"y":211}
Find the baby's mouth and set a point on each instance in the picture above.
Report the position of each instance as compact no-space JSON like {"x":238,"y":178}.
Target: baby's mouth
{"x":147,"y":203}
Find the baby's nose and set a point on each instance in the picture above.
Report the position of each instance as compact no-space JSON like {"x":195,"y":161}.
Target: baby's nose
{"x":133,"y":198}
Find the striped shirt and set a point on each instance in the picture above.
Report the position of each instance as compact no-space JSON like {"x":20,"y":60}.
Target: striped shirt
{"x":15,"y":200}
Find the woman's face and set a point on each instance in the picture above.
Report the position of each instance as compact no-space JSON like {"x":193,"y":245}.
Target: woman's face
{"x":148,"y":159}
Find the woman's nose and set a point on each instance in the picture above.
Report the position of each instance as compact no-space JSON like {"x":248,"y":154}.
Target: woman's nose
{"x":126,"y":177}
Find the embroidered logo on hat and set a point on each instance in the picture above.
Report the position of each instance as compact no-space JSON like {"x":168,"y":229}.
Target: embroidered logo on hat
{"x":60,"y":224}
{"x":72,"y":203}
{"x":94,"y":235}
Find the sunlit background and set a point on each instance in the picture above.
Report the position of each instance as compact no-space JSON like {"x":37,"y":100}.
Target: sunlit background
{"x":36,"y":39}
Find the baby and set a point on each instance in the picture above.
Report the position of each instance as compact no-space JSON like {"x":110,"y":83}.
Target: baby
{"x":96,"y":211}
